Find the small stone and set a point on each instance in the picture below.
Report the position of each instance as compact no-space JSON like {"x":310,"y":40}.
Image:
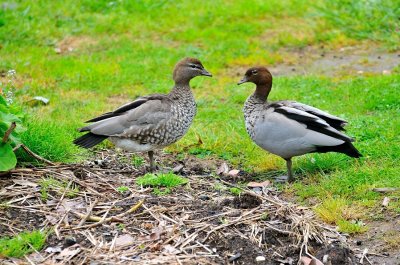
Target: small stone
{"x":257,"y":190}
{"x":178,"y":168}
{"x":235,"y":257}
{"x":386,"y":72}
{"x":223,"y":169}
{"x":233,"y":173}
{"x":386,"y":201}
{"x":260,"y":258}
{"x":53,"y":250}
{"x":69,"y":241}
{"x":204,"y":197}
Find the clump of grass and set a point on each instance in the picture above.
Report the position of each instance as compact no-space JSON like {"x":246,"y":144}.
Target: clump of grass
{"x":351,"y":227}
{"x":219,"y":187}
{"x":235,"y":191}
{"x":122,"y":189}
{"x":50,"y":140}
{"x":21,"y":244}
{"x":168,"y":180}
{"x":161,"y":191}
{"x":392,"y":239}
{"x":336,"y":211}
{"x":47,"y":184}
{"x":137,"y":161}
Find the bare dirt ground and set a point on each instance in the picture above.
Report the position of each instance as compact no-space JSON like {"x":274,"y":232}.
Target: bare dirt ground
{"x":198,"y":223}
{"x":363,"y":59}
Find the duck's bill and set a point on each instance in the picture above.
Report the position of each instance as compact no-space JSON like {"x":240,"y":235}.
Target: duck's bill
{"x":206,"y":73}
{"x":244,"y":80}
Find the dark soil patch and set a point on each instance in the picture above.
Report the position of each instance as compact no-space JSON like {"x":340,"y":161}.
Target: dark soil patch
{"x":245,"y":201}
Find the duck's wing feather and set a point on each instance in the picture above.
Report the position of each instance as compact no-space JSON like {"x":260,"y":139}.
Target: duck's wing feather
{"x":128,"y":106}
{"x":312,"y":122}
{"x":152,"y":113}
{"x":335,"y":122}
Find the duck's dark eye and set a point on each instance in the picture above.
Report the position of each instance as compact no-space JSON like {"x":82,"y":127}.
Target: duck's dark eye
{"x":254,"y":72}
{"x":193,"y":66}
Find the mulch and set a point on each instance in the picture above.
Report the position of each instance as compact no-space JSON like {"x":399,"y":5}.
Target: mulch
{"x":91,"y":221}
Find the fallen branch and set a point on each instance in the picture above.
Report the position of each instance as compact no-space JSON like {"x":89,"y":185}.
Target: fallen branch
{"x":9,"y":131}
{"x":102,"y":220}
{"x":31,"y":153}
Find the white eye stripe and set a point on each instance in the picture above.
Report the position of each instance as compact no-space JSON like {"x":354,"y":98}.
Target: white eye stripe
{"x":195,"y":66}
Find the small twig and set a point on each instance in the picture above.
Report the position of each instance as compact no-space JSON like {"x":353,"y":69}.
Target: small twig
{"x":9,"y":131}
{"x":31,"y":153}
{"x":63,"y":195}
{"x":364,"y":254}
{"x":102,"y":220}
{"x":89,"y":212}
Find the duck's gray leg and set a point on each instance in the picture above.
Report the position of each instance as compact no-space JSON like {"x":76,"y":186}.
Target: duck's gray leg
{"x":289,"y":169}
{"x":152,"y":164}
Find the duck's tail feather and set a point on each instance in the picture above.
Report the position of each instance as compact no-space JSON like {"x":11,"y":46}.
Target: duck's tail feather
{"x":345,"y":148}
{"x":89,"y":140}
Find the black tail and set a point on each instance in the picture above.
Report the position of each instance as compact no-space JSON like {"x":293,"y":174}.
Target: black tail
{"x":344,"y":148}
{"x":89,"y":140}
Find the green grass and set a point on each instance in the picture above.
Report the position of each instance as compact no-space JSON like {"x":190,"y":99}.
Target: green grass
{"x":122,"y":189}
{"x":22,"y":244}
{"x":235,"y":191}
{"x":51,"y":184}
{"x":168,"y":180}
{"x":123,"y":49}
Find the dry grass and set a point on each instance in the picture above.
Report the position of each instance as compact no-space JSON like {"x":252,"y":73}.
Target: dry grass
{"x":114,"y":226}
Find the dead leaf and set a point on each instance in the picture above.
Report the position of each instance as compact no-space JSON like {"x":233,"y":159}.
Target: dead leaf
{"x":386,"y":201}
{"x":316,"y":262}
{"x":307,"y":261}
{"x":53,"y":250}
{"x":223,"y":169}
{"x":178,"y":168}
{"x":52,"y":220}
{"x":254,"y":184}
{"x":233,"y":173}
{"x":124,"y":240}
{"x":171,"y":249}
{"x":37,"y":101}
{"x":147,"y":226}
{"x":68,"y":205}
{"x":69,"y":252}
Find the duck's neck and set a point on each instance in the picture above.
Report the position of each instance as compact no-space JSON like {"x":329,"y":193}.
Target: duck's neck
{"x":181,"y":91}
{"x":262,"y":92}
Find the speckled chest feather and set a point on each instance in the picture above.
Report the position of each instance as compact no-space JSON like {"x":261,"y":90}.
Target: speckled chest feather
{"x":252,"y":110}
{"x":182,"y":112}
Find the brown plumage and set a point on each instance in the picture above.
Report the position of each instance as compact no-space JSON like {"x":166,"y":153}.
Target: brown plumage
{"x":150,"y":122}
{"x":289,"y":128}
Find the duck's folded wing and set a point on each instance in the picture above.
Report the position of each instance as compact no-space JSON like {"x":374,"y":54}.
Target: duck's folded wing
{"x":146,"y":116}
{"x":335,"y":122}
{"x":312,"y":121}
{"x":127,"y":107}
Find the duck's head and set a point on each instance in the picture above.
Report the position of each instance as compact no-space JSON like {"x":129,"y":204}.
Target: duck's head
{"x":257,"y":75}
{"x":188,"y":68}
